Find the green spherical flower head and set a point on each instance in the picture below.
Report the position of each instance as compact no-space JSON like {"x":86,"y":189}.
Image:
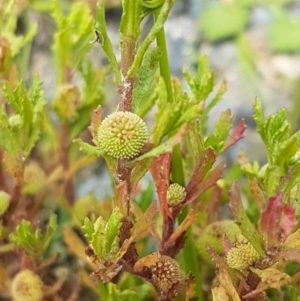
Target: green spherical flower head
{"x":27,"y":286}
{"x":4,"y":202}
{"x":175,"y":194}
{"x":122,"y":135}
{"x":242,"y":255}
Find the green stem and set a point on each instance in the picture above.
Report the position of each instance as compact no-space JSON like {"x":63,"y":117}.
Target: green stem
{"x":157,"y":27}
{"x":189,"y":251}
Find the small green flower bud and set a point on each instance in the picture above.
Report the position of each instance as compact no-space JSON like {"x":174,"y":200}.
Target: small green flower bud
{"x":34,"y":178}
{"x":122,"y":135}
{"x":242,"y":254}
{"x":4,"y":202}
{"x":175,"y":194}
{"x":152,"y":3}
{"x":27,"y":286}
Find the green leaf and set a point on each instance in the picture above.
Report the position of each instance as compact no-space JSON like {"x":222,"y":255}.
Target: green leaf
{"x":72,"y":38}
{"x":22,"y":130}
{"x":88,"y":149}
{"x":145,"y":77}
{"x":218,"y":137}
{"x":33,"y":241}
{"x":203,"y":83}
{"x":98,"y":238}
{"x":88,"y":228}
{"x":242,"y":220}
{"x":101,"y":30}
{"x":112,"y":228}
{"x":165,"y":147}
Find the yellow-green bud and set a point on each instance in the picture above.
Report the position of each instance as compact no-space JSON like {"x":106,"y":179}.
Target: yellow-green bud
{"x":4,"y":202}
{"x":27,"y":286}
{"x":175,"y":194}
{"x":242,"y":254}
{"x":34,"y":178}
{"x":122,"y":135}
{"x":152,"y":3}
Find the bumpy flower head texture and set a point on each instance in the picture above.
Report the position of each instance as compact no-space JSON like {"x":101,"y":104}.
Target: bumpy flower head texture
{"x":122,"y":135}
{"x":242,"y":255}
{"x":27,"y":286}
{"x":165,"y":272}
{"x":175,"y":194}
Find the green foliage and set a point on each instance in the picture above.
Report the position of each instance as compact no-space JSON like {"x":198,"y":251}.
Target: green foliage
{"x":71,"y":40}
{"x":144,"y":79}
{"x":103,"y":236}
{"x":282,"y":150}
{"x":19,"y":132}
{"x":40,"y":164}
{"x":34,"y":242}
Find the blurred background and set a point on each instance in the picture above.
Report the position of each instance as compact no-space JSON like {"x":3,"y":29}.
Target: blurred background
{"x":254,"y":45}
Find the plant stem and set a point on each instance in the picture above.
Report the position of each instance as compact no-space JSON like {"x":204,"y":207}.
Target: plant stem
{"x":189,"y":251}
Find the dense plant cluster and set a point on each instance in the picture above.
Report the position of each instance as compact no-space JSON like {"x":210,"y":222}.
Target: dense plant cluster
{"x":175,"y":243}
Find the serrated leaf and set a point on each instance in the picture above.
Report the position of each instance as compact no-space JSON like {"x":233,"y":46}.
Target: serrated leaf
{"x":201,"y":84}
{"x":145,"y":221}
{"x":288,"y":220}
{"x":236,"y":135}
{"x":32,"y":241}
{"x":242,"y":220}
{"x":218,"y":137}
{"x":190,"y":288}
{"x":272,"y":276}
{"x":88,"y":228}
{"x":72,"y":38}
{"x":209,"y":181}
{"x":112,"y":228}
{"x":144,"y":77}
{"x":160,"y":171}
{"x":98,"y":240}
{"x":272,"y":178}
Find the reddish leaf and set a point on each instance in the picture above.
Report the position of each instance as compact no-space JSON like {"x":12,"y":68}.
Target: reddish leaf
{"x":190,"y":288}
{"x":121,"y":198}
{"x":210,"y":181}
{"x":181,"y":228}
{"x":205,"y":164}
{"x":160,"y":171}
{"x":242,"y":220}
{"x":214,"y":204}
{"x":269,"y":224}
{"x":236,"y":135}
{"x":291,"y":255}
{"x":95,"y":122}
{"x":288,"y":221}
